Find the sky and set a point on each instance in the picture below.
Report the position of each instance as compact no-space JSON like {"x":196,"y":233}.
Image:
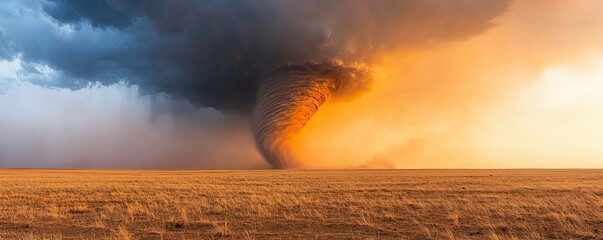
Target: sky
{"x":455,"y":84}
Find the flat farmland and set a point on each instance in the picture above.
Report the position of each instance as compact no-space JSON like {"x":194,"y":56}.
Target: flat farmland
{"x":301,"y":204}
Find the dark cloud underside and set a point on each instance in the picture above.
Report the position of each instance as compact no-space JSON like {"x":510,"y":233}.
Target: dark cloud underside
{"x":215,"y":52}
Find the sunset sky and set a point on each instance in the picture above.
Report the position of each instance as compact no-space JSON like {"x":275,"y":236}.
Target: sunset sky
{"x":456,"y":84}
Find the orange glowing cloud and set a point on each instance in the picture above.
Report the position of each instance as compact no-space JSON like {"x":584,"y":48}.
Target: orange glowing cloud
{"x":525,"y":93}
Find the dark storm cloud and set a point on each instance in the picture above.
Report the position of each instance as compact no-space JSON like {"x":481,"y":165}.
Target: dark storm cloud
{"x":102,"y":14}
{"x":5,"y":50}
{"x":214,"y":53}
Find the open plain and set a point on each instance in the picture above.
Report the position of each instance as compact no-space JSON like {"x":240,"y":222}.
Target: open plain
{"x":294,"y":204}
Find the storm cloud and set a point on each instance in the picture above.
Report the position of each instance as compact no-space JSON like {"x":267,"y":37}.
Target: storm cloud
{"x":216,"y":53}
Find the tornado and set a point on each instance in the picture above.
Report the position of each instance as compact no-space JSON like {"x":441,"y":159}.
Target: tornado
{"x":289,"y":98}
{"x":272,"y":62}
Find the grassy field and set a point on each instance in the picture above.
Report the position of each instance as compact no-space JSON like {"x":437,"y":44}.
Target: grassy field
{"x":362,"y":204}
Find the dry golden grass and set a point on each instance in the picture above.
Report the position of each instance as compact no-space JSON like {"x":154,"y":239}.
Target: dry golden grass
{"x":363,"y":204}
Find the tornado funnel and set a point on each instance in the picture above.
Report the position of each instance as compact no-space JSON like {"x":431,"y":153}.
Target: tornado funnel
{"x":289,"y":98}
